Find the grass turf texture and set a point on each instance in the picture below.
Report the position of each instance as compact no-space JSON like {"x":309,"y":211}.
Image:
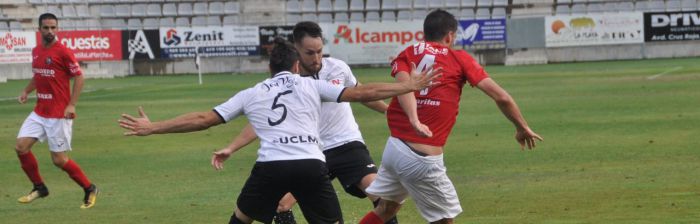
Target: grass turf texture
{"x":619,"y":148}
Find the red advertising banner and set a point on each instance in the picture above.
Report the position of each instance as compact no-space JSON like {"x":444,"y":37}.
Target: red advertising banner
{"x":92,"y":45}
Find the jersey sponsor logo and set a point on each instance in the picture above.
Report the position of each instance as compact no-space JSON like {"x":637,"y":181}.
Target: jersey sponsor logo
{"x":74,"y":68}
{"x":44,"y":72}
{"x":345,"y":33}
{"x":44,"y":96}
{"x":296,"y":139}
{"x":86,"y":43}
{"x":428,"y":102}
{"x":9,"y":41}
{"x":336,"y":82}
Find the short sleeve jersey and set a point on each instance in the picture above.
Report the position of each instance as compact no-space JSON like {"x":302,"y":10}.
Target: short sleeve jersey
{"x":53,"y":67}
{"x":438,"y":105}
{"x":284,"y":112}
{"x":337,"y":124}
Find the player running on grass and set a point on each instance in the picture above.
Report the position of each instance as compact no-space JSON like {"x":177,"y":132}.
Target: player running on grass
{"x":412,"y":163}
{"x":52,"y":119}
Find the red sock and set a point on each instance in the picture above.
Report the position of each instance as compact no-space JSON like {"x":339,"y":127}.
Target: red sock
{"x":76,"y":174}
{"x":30,"y":167}
{"x":371,"y":218}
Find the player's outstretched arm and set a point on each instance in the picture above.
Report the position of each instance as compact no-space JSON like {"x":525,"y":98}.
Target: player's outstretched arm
{"x":142,"y":126}
{"x":377,"y":91}
{"x":28,"y":89}
{"x":377,"y":105}
{"x":523,"y":134}
{"x":244,"y":138}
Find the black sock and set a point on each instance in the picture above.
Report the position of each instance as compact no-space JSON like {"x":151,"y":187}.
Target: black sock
{"x":285,"y":218}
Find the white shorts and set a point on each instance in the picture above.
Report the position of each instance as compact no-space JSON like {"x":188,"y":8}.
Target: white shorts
{"x":424,"y":178}
{"x":57,"y":130}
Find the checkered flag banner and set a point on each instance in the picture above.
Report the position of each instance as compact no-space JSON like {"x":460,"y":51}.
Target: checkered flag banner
{"x":136,"y":46}
{"x":139,"y":45}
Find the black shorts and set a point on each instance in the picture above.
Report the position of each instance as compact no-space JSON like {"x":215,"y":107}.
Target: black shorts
{"x":306,"y":179}
{"x":350,"y":163}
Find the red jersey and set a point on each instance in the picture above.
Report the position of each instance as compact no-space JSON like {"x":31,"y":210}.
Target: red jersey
{"x":437,"y":105}
{"x":53,"y":67}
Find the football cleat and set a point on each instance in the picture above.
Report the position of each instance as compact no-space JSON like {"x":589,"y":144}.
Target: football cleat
{"x":90,"y":197}
{"x":39,"y":191}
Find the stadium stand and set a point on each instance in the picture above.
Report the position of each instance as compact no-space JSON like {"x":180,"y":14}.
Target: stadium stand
{"x":372,"y":5}
{"x":341,"y":17}
{"x":325,"y":6}
{"x":340,"y":6}
{"x":357,"y":5}
{"x":388,"y":16}
{"x":389,"y":5}
{"x":308,"y":6}
{"x":356,"y":17}
{"x":372,"y":17}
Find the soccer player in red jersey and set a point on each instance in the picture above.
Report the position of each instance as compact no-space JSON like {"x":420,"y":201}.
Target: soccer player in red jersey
{"x":420,"y":122}
{"x":53,"y":66}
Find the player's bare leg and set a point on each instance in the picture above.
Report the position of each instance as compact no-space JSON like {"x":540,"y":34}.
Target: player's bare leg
{"x":31,"y":168}
{"x":385,"y":210}
{"x":61,"y":160}
{"x":364,"y":183}
{"x":284,"y":210}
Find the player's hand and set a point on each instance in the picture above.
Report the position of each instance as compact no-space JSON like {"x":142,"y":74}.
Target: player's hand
{"x":526,"y":137}
{"x":217,"y":160}
{"x":422,"y":129}
{"x":69,"y":113}
{"x":421,"y":80}
{"x":140,"y":126}
{"x":22,"y":98}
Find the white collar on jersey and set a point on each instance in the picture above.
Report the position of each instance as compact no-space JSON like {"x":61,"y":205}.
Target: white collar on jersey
{"x":282,"y":73}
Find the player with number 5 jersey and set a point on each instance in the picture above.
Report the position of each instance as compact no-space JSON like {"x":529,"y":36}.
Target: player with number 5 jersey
{"x":284,"y":112}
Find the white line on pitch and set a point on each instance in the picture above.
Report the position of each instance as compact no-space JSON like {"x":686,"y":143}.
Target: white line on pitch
{"x":664,"y":73}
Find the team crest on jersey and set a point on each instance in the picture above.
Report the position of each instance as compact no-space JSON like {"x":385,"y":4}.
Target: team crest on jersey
{"x":48,"y":61}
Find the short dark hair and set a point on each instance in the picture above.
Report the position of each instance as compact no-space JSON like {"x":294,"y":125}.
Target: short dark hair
{"x":283,"y":56}
{"x":44,"y":16}
{"x":438,"y":24}
{"x":306,"y":28}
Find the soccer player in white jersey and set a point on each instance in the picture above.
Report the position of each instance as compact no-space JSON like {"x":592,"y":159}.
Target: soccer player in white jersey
{"x":346,"y":154}
{"x":284,"y":112}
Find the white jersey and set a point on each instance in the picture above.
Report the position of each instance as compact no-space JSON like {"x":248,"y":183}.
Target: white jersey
{"x":337,"y":123}
{"x":284,"y":111}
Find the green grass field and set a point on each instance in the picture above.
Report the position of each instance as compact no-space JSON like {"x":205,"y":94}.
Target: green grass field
{"x":619,"y":148}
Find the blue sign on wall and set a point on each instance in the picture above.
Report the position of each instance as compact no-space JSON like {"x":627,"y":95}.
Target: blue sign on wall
{"x":489,"y":32}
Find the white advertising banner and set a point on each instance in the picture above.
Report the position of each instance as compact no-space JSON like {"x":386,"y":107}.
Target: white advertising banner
{"x":594,"y":29}
{"x":372,"y":42}
{"x":16,"y":47}
{"x":183,"y":42}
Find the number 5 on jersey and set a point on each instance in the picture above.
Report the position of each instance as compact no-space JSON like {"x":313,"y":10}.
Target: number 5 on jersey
{"x":275,"y":105}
